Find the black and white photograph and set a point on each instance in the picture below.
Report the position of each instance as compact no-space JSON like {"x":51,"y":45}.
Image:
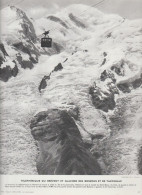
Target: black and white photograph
{"x":71,"y":87}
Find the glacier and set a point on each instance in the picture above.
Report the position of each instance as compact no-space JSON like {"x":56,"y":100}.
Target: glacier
{"x":98,"y":51}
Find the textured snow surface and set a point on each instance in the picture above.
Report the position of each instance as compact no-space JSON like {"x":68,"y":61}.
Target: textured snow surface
{"x":20,"y":99}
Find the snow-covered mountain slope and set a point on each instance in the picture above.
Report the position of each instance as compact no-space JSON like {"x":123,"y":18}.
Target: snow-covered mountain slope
{"x":19,"y":40}
{"x":101,"y":57}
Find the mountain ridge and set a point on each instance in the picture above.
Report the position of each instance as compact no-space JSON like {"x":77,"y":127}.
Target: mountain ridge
{"x":100,"y":75}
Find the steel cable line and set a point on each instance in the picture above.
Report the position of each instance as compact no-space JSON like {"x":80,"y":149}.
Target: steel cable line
{"x":93,"y":5}
{"x":49,"y":24}
{"x":115,"y":26}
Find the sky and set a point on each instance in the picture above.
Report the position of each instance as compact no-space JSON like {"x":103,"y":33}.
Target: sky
{"x":130,"y":9}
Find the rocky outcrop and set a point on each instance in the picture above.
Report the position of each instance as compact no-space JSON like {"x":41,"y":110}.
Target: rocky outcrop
{"x":29,"y":49}
{"x":2,"y":49}
{"x":103,"y":102}
{"x":119,"y":68}
{"x":124,"y":87}
{"x":24,"y":63}
{"x":43,"y":83}
{"x":56,"y":19}
{"x":140,"y":161}
{"x":104,"y":99}
{"x":3,"y":54}
{"x":76,"y":21}
{"x":62,"y":151}
{"x":7,"y":72}
{"x":58,"y":67}
{"x":15,"y":70}
{"x":27,"y":27}
{"x":107,"y":74}
{"x":127,"y":86}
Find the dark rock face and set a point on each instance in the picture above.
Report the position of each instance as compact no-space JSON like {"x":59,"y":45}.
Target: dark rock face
{"x":43,"y":83}
{"x":62,"y":151}
{"x":104,"y":100}
{"x":107,"y":74}
{"x":104,"y":61}
{"x":15,"y":70}
{"x":28,"y":49}
{"x":58,"y":67}
{"x":137,"y":83}
{"x":126,"y":87}
{"x":119,"y":70}
{"x":103,"y":103}
{"x":1,"y":60}
{"x":28,"y":30}
{"x":3,"y":54}
{"x":24,"y":63}
{"x":3,"y":50}
{"x":76,"y":21}
{"x":27,"y":64}
{"x":104,"y":54}
{"x":140,"y":161}
{"x":7,"y":72}
{"x":55,"y":19}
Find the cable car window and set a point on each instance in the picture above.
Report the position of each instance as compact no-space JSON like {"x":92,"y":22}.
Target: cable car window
{"x":46,"y":42}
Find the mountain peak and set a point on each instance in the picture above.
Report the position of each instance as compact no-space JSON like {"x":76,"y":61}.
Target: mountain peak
{"x":16,"y":25}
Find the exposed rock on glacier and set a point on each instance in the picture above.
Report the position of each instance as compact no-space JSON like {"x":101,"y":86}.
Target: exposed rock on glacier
{"x":127,"y":86}
{"x":7,"y":72}
{"x":3,"y":50}
{"x":56,"y":19}
{"x":58,"y":67}
{"x":8,"y":67}
{"x":104,"y":99}
{"x":24,"y":63}
{"x":62,"y":151}
{"x":27,"y":29}
{"x":43,"y":83}
{"x":140,"y":161}
{"x":76,"y":21}
{"x":112,"y":132}
{"x":19,"y":39}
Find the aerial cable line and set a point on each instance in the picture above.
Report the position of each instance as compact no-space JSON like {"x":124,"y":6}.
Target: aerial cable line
{"x":93,"y":5}
{"x":50,"y":22}
{"x":115,"y":26}
{"x":47,"y":41}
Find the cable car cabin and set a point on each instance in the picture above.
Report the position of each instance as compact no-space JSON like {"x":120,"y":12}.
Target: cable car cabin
{"x":46,"y":42}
